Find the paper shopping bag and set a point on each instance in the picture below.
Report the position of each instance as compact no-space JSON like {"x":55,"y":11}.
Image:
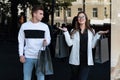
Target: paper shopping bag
{"x":102,"y":51}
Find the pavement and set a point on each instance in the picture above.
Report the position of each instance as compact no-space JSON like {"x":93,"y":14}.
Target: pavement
{"x":11,"y":68}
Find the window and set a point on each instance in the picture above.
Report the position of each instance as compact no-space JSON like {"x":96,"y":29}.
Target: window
{"x":105,"y":12}
{"x":79,"y":9}
{"x":95,"y":12}
{"x":69,"y":12}
{"x":57,"y":12}
{"x":57,"y":24}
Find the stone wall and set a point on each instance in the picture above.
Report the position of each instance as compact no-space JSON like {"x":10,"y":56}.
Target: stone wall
{"x":115,"y":41}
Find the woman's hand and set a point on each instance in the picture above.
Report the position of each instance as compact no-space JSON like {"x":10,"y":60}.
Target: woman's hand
{"x":63,"y":29}
{"x":103,"y":32}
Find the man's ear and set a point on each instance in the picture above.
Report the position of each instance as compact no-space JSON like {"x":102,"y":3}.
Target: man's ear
{"x":34,"y":14}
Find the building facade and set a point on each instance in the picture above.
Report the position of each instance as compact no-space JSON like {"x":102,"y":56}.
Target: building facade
{"x":98,"y":11}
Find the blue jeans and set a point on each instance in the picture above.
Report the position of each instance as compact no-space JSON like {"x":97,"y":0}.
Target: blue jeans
{"x":28,"y":68}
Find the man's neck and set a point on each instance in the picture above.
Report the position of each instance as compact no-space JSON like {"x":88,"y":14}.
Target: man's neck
{"x":34,"y":20}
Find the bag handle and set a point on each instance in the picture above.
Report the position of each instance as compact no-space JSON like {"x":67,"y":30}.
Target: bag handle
{"x":103,"y":36}
{"x":60,"y":32}
{"x":42,"y":47}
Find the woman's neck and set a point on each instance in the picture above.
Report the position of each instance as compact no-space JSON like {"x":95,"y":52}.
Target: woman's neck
{"x":82,"y":27}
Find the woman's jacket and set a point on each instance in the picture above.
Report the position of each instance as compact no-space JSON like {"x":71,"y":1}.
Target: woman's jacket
{"x":74,"y":41}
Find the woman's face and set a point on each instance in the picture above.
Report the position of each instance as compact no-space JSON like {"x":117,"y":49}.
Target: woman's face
{"x":81,"y":18}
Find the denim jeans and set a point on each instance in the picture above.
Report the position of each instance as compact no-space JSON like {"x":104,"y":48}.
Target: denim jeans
{"x":28,"y":68}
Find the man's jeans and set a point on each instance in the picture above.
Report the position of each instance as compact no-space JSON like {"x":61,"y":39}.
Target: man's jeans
{"x":28,"y":67}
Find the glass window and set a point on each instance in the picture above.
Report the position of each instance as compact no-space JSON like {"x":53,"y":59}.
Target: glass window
{"x":79,"y":9}
{"x":69,"y":12}
{"x":105,"y":12}
{"x":95,"y":12}
{"x":57,"y":12}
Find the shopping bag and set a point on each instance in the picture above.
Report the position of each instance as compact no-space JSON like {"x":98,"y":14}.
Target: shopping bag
{"x":102,"y":50}
{"x":61,"y":49}
{"x":44,"y":63}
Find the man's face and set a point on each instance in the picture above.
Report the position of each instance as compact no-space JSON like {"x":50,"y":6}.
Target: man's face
{"x":38,"y":15}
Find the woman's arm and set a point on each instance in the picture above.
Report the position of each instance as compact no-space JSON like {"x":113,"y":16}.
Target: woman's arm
{"x":67,"y":36}
{"x":94,"y":40}
{"x":97,"y":36}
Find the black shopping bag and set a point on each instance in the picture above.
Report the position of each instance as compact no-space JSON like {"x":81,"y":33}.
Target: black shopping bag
{"x":45,"y":62}
{"x":61,"y":49}
{"x":102,"y":50}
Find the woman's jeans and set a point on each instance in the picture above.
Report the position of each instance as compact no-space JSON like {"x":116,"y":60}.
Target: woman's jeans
{"x":28,"y":68}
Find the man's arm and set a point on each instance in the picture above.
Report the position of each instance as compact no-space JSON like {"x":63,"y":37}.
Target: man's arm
{"x":47,"y":37}
{"x":21,"y":38}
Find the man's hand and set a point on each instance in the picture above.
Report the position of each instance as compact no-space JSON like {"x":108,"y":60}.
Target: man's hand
{"x":22,"y":59}
{"x":44,"y":42}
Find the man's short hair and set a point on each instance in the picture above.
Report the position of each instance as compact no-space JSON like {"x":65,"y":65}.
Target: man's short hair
{"x":36,"y":8}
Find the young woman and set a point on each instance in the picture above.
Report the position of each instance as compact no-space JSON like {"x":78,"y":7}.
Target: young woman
{"x":82,"y":39}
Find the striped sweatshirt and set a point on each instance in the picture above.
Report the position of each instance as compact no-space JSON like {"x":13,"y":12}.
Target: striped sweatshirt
{"x":30,"y":38}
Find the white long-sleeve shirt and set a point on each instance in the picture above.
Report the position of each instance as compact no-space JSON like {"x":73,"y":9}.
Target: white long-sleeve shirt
{"x":30,"y":38}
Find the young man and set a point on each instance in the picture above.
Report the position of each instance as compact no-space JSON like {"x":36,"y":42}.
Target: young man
{"x":33,"y":35}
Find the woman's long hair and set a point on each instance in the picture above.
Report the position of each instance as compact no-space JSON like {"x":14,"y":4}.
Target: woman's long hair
{"x":77,"y":24}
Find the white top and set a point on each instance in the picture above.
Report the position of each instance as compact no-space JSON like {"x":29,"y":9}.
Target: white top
{"x":30,"y":38}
